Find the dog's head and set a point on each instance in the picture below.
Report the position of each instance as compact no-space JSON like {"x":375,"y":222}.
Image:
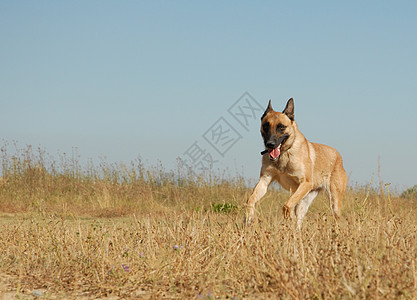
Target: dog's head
{"x":277,"y":128}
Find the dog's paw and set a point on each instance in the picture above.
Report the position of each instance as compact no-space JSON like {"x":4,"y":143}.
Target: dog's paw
{"x":247,"y":220}
{"x":287,"y":212}
{"x":250,"y":212}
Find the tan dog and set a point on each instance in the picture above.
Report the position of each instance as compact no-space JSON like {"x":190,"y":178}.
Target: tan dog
{"x":301,"y":167}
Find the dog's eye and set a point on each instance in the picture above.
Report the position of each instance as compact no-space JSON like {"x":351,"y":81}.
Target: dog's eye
{"x":281,"y":127}
{"x":265,"y":127}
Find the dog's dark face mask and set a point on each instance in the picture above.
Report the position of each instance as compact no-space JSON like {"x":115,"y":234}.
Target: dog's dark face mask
{"x":274,"y":129}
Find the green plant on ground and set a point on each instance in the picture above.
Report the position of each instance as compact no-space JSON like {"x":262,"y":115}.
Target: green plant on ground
{"x":224,"y":208}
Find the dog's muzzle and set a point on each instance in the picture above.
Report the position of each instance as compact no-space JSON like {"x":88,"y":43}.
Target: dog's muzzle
{"x":274,"y":147}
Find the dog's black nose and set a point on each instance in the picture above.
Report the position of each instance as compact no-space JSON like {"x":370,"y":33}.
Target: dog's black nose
{"x":270,"y":145}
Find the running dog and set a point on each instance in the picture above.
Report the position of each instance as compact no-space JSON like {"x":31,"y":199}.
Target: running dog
{"x":299,"y":166}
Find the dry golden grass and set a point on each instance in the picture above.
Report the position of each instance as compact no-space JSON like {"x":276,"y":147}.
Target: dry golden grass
{"x":133,"y":232}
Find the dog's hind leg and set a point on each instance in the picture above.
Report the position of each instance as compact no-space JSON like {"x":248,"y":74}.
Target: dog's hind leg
{"x":335,"y":198}
{"x":336,"y":189}
{"x":302,"y":206}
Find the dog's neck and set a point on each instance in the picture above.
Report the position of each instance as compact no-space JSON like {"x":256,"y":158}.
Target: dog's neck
{"x":294,"y":140}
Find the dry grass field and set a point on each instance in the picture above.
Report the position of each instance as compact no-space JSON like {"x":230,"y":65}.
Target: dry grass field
{"x":115,"y":231}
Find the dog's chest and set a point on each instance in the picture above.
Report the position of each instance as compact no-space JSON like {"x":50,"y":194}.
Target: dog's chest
{"x":283,"y":164}
{"x":289,"y":165}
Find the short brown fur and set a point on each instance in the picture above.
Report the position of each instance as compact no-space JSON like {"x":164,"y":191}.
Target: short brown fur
{"x":303,"y":168}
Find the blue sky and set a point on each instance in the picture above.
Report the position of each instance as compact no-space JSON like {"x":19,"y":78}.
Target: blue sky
{"x":123,"y":79}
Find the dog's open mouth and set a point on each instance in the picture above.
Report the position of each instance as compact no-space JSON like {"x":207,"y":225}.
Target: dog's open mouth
{"x":274,"y":153}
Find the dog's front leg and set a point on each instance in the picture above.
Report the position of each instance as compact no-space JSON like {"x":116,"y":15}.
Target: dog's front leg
{"x":303,"y":189}
{"x":258,"y":192}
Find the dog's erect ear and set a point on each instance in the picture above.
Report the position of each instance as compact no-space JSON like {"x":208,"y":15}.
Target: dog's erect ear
{"x":268,"y":109}
{"x":289,"y":109}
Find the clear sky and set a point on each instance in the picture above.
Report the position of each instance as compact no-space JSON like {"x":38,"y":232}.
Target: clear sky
{"x":166,"y":79}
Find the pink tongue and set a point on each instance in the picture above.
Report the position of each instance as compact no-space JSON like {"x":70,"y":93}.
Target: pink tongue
{"x":275,"y":152}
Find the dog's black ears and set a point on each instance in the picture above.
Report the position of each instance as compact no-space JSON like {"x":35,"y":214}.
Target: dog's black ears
{"x":268,"y":109}
{"x":289,"y":109}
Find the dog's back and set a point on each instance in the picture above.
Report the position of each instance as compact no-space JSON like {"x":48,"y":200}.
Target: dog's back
{"x":328,"y":171}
